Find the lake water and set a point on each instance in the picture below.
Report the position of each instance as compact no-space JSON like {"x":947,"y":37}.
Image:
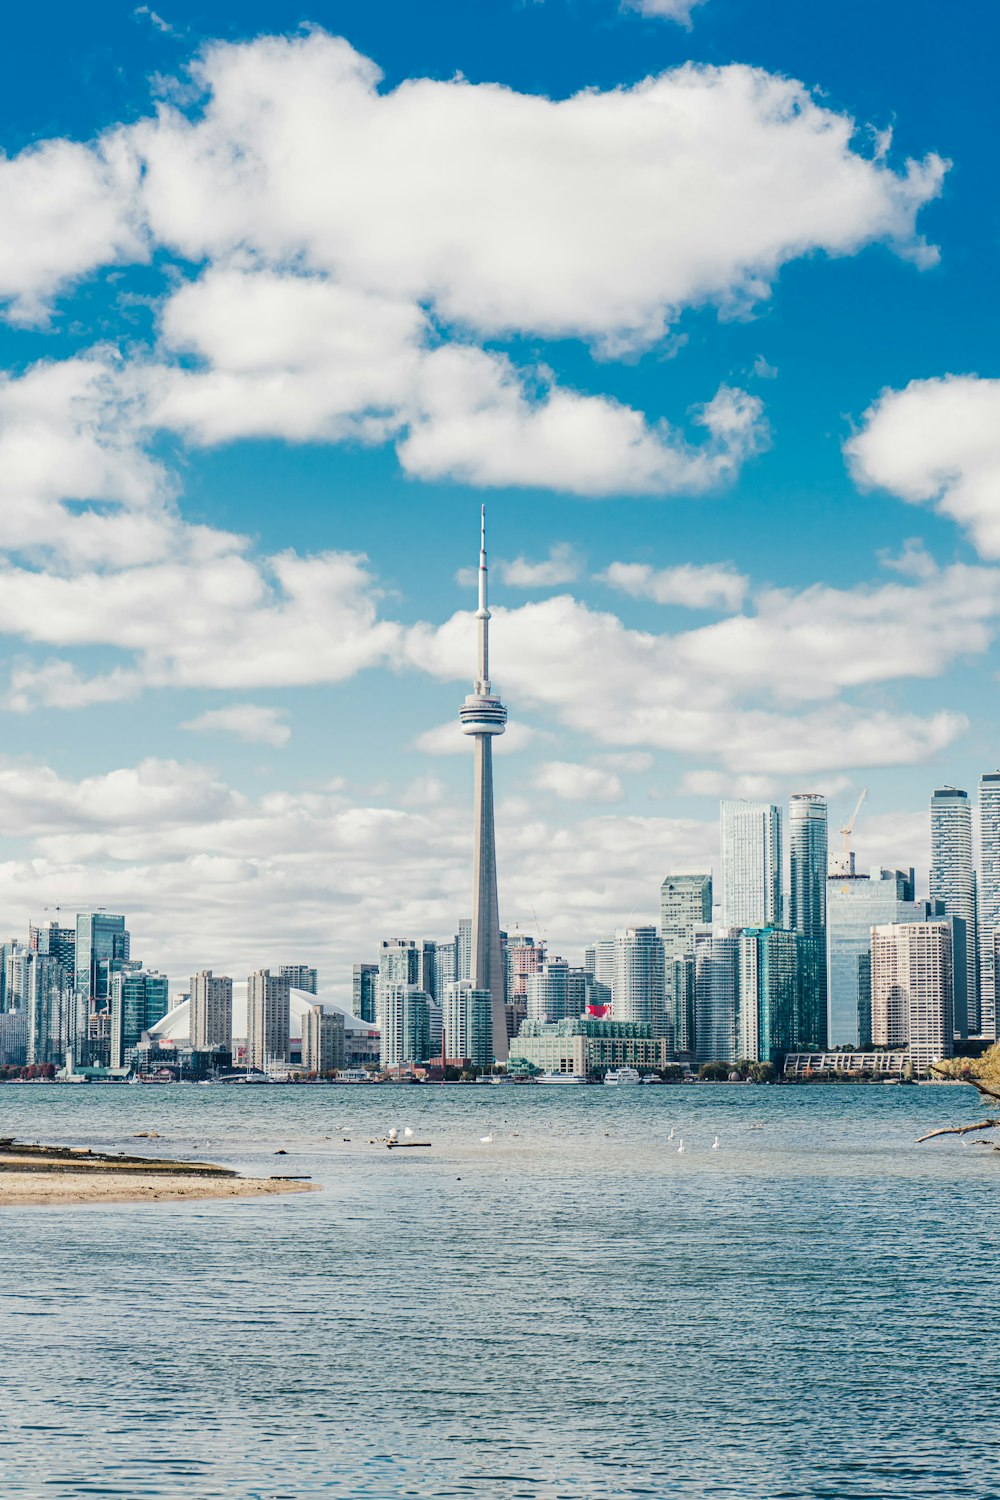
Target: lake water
{"x":573,"y":1309}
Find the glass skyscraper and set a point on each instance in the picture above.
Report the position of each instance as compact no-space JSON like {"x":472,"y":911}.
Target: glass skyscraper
{"x":716,"y":996}
{"x":685,"y":902}
{"x":989,"y":898}
{"x":769,"y":993}
{"x":807,"y":844}
{"x":637,"y":990}
{"x":751,"y":864}
{"x":855,"y":904}
{"x":953,"y":882}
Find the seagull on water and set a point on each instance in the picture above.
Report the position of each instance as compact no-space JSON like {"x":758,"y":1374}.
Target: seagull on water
{"x":715,"y":1144}
{"x":672,"y":1133}
{"x":485,"y":1139}
{"x":681,"y":1146}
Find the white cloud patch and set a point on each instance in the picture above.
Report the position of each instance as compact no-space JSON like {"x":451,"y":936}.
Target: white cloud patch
{"x":717,"y":586}
{"x":250,"y":722}
{"x":576,"y":783}
{"x":448,"y":739}
{"x":561,"y":566}
{"x":666,"y":10}
{"x":937,"y":442}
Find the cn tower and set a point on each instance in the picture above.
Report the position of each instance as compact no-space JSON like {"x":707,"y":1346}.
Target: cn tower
{"x":483,"y":715}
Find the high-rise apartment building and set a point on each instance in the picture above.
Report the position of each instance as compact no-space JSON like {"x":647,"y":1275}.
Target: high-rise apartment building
{"x":364,"y":991}
{"x":716,"y":995}
{"x":139,"y":998}
{"x":557,"y":991}
{"x":599,"y":960}
{"x":211,"y":1001}
{"x":856,"y":904}
{"x":953,"y":882}
{"x":399,"y":962}
{"x":751,"y":864}
{"x":404,"y":1023}
{"x":268,"y":1019}
{"x":322,"y":1040}
{"x":912,"y":989}
{"x":444,"y":968}
{"x":49,"y":1003}
{"x":808,"y":859}
{"x":463,"y":948}
{"x":989,"y":899}
{"x":637,"y":990}
{"x":770,"y":988}
{"x":523,"y":956}
{"x":685,"y":903}
{"x":301,"y":977}
{"x":468,"y":1023}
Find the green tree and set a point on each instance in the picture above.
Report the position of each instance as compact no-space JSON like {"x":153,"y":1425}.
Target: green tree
{"x":983,"y":1073}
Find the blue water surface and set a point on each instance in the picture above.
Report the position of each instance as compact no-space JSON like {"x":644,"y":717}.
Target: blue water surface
{"x":572,"y":1308}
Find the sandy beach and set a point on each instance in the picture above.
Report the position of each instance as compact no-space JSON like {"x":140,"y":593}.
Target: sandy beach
{"x":39,"y":1175}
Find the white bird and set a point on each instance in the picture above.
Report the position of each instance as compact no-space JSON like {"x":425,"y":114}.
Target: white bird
{"x":672,"y":1133}
{"x":715,"y":1144}
{"x":394,"y":1134}
{"x":407,"y":1131}
{"x":681,"y":1146}
{"x":485,"y":1139}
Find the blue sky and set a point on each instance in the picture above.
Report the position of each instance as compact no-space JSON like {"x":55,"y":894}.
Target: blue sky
{"x":703,"y":306}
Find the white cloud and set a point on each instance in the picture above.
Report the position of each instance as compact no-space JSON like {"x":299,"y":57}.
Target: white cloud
{"x":707,"y":587}
{"x":561,"y":566}
{"x":667,"y":10}
{"x":448,"y":739}
{"x":250,"y":722}
{"x":576,"y":783}
{"x":153,"y":796}
{"x":937,"y":442}
{"x":636,"y":761}
{"x":756,"y":787}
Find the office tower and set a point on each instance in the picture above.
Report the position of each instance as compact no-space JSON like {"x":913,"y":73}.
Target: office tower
{"x":211,"y":1019}
{"x":463,"y":949}
{"x":364,"y":984}
{"x":523,"y":956}
{"x":102,"y":942}
{"x":716,"y":995}
{"x":953,"y":882}
{"x":751,"y":864}
{"x":49,"y":1005}
{"x":637,"y":990}
{"x":300,"y":977}
{"x":427,"y":968}
{"x":139,"y":998}
{"x":685,"y":902}
{"x":468,"y":1023}
{"x":770,"y":981}
{"x":856,"y":904}
{"x":989,"y":899}
{"x":483,"y":715}
{"x":268,"y":1019}
{"x":808,"y":858}
{"x":912,"y":989}
{"x":57,"y":942}
{"x":322,"y":1040}
{"x":557,"y":992}
{"x":404,"y":1023}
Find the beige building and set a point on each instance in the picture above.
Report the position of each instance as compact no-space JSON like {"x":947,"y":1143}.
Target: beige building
{"x":586,"y":1046}
{"x":322,"y":1040}
{"x":211,"y":1011}
{"x":268,"y":1019}
{"x":913,"y":989}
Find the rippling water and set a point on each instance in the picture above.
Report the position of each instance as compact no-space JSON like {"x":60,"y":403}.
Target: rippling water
{"x":572,"y":1309}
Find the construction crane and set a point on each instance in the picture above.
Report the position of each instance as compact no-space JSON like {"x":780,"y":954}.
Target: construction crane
{"x":843,"y":863}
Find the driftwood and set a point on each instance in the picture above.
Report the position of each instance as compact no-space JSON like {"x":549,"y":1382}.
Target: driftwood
{"x":960,"y":1129}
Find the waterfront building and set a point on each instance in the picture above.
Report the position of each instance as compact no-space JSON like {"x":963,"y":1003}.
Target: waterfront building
{"x":587,"y":1046}
{"x":49,"y":1005}
{"x":13,"y":1039}
{"x":301,"y":977}
{"x":637,"y":990}
{"x":953,"y":883}
{"x":364,"y":988}
{"x":808,"y":859}
{"x":989,"y":899}
{"x":468,"y":1023}
{"x":211,"y":999}
{"x":770,"y":989}
{"x":679,"y":988}
{"x":716,"y":994}
{"x":557,"y":991}
{"x":751,"y":864}
{"x":139,"y":998}
{"x":268,"y":1019}
{"x":685,"y":902}
{"x":404,"y":1023}
{"x":856,"y":904}
{"x":483,"y":716}
{"x":882,"y":1064}
{"x":322,"y":1039}
{"x":102,"y":942}
{"x":913,"y":989}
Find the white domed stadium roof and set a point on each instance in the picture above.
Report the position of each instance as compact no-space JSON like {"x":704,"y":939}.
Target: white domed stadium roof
{"x":176,"y":1024}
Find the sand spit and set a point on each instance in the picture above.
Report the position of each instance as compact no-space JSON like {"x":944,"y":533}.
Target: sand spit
{"x":67,"y":1174}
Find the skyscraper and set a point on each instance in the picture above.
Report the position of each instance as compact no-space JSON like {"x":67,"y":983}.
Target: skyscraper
{"x":637,"y":991}
{"x":912,"y":989}
{"x":268,"y":1019}
{"x":807,"y":845}
{"x":751,"y":864}
{"x":716,"y":995}
{"x":211,"y":1011}
{"x":953,"y":882}
{"x":139,"y":998}
{"x":364,"y":985}
{"x":468,"y":1023}
{"x":989,"y":898}
{"x":685,"y":901}
{"x":855,"y":904}
{"x":300,"y":977}
{"x":771,"y":977}
{"x":483,"y":715}
{"x":404,"y":1023}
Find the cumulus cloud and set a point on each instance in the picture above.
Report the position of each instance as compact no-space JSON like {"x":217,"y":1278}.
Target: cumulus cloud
{"x":756,"y":787}
{"x":576,"y":783}
{"x":448,"y":739}
{"x":667,"y":10}
{"x":937,"y":442}
{"x":712,"y":587}
{"x":561,"y":566}
{"x":250,"y":722}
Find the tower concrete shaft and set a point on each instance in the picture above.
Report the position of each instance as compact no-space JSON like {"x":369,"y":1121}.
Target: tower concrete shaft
{"x":483,"y":715}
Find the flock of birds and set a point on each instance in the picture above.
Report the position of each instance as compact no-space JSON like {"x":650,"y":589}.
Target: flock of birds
{"x":487,"y":1140}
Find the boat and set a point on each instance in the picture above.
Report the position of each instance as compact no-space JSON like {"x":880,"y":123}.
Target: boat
{"x":651,"y":1078}
{"x":622,"y":1077}
{"x":560,"y":1078}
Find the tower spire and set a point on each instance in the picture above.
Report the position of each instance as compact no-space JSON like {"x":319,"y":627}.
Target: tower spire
{"x":483,"y":615}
